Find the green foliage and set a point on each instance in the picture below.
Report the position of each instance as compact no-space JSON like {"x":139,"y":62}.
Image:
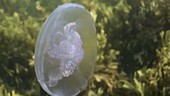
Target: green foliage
{"x":133,"y":46}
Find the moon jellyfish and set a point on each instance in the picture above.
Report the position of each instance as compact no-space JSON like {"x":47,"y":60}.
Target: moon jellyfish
{"x":66,"y":50}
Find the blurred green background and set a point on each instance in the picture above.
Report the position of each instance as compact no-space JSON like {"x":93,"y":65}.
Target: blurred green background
{"x":133,"y":46}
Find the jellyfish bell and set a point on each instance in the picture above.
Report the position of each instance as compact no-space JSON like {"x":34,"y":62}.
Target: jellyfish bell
{"x":66,"y":50}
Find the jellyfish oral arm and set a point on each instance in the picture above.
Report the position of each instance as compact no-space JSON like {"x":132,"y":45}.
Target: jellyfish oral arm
{"x":69,"y":52}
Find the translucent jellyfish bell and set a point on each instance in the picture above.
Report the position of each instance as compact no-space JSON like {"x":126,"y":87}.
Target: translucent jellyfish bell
{"x":66,"y":50}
